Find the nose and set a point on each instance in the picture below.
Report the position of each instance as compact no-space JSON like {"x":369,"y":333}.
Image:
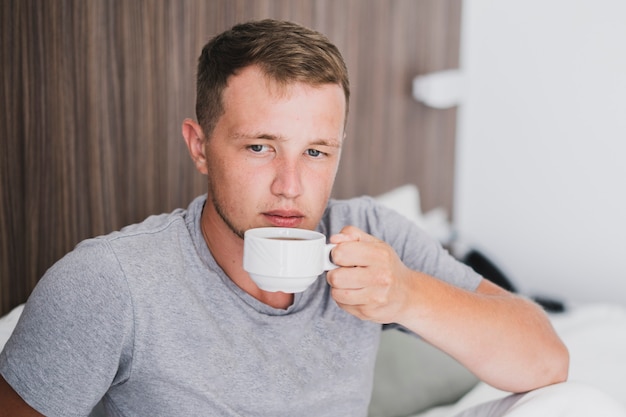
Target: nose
{"x":287,"y":180}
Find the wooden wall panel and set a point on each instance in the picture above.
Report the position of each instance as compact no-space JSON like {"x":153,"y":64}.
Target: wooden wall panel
{"x":93,"y":94}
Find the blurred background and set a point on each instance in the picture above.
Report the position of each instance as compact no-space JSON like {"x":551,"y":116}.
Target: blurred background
{"x":541,"y":146}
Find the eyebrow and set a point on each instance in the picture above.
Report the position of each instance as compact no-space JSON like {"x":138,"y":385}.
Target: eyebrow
{"x":333,"y":143}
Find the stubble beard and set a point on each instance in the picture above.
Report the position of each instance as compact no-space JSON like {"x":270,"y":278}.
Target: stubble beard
{"x":222,"y":213}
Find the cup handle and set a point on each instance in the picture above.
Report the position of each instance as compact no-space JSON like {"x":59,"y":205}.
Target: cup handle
{"x":328,"y":264}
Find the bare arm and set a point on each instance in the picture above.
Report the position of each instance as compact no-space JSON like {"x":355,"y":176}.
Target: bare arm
{"x":12,"y":404}
{"x":506,"y":340}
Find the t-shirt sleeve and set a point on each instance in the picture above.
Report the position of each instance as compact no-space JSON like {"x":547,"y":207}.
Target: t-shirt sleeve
{"x":74,"y":338}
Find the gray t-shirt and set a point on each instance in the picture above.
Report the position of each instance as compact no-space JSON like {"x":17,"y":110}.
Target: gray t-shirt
{"x":146,"y":320}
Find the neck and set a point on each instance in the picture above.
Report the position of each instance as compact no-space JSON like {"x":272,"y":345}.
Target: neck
{"x":227,"y":250}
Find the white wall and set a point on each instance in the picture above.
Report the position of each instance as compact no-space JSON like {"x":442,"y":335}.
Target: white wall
{"x":541,"y":175}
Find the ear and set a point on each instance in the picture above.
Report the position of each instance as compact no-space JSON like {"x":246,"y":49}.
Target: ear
{"x":194,"y":137}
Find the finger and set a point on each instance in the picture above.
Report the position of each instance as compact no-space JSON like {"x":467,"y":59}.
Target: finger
{"x":342,"y":238}
{"x":349,"y":298}
{"x":359,"y":297}
{"x":361,"y":303}
{"x":359,"y":278}
{"x":354,"y":310}
{"x":345,"y":278}
{"x":356,"y":234}
{"x":359,"y":253}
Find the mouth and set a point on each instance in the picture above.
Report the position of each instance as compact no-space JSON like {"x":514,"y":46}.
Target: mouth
{"x":284,"y":218}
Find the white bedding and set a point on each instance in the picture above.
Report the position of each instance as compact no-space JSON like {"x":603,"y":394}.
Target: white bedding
{"x":7,"y":324}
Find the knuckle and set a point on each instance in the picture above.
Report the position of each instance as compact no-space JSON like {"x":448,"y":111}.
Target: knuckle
{"x":385,"y":280}
{"x":349,"y":229}
{"x":379,"y":298}
{"x":387,"y":256}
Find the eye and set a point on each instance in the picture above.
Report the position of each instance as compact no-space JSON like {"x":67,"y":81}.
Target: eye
{"x":314,"y":153}
{"x":258,"y":148}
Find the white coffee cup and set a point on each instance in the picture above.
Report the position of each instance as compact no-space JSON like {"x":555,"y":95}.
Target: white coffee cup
{"x":285,"y":259}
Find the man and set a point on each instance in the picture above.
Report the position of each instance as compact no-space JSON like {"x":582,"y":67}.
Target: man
{"x":161,"y":319}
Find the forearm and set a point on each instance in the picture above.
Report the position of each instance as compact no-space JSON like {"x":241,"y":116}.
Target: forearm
{"x":506,"y":340}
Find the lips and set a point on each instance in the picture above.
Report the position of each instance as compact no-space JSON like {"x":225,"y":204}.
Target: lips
{"x":284,"y":218}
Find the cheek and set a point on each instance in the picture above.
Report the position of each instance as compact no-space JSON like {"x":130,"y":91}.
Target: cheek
{"x":318,"y":189}
{"x":322,"y":177}
{"x":236,"y":183}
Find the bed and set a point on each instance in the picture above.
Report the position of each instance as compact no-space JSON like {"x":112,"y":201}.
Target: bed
{"x":413,"y":379}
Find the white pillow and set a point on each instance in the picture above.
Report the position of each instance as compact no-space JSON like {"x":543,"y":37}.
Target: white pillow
{"x":8,"y":323}
{"x":405,"y":200}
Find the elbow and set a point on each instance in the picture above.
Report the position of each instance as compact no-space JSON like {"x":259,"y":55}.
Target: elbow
{"x":554,"y":359}
{"x":546,"y":367}
{"x":561,"y":365}
{"x":555,"y":368}
{"x":552,"y":368}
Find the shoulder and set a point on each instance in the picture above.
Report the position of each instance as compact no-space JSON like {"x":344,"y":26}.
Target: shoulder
{"x":153,"y":227}
{"x":354,"y":210}
{"x":103,"y":264}
{"x":356,"y":203}
{"x":366,"y":213}
{"x":160,"y":234}
{"x":104,"y":256}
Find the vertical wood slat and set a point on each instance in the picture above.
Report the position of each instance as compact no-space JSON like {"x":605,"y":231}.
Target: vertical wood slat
{"x":94,"y":92}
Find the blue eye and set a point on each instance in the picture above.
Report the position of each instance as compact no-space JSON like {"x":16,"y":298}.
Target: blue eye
{"x":257,"y":148}
{"x":313,"y":152}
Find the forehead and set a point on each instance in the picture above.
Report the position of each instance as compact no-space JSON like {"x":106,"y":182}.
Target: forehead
{"x":253,"y":79}
{"x":252,"y":92}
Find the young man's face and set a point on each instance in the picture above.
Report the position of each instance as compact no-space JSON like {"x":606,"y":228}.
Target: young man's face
{"x":274,"y":153}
